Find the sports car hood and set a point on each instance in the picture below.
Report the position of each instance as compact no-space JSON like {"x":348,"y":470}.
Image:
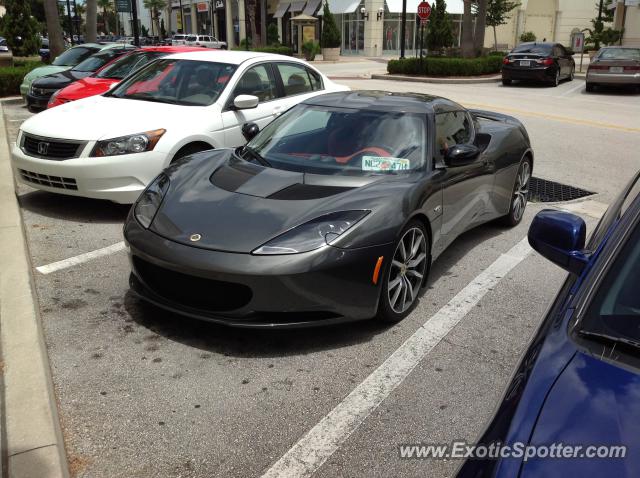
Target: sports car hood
{"x":60,"y":79}
{"x":592,"y":403}
{"x":237,"y":206}
{"x":87,"y":87}
{"x":103,"y":117}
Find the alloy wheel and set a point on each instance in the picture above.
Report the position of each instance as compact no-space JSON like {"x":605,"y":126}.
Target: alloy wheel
{"x":557,"y":80}
{"x":573,"y":73}
{"x":521,"y":191}
{"x":407,"y":270}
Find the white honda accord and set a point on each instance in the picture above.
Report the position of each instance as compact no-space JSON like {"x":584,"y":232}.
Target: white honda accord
{"x":112,"y":146}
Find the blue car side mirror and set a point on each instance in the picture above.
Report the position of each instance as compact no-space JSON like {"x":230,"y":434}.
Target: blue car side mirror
{"x":560,"y":237}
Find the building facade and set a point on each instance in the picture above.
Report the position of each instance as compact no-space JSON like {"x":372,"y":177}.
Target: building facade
{"x":627,"y":18}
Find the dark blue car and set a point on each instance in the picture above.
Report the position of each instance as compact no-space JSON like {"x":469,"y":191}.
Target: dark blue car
{"x":579,"y":382}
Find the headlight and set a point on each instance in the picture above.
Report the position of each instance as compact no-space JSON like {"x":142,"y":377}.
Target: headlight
{"x":55,"y":101}
{"x":149,"y":201}
{"x":313,"y":234}
{"x":134,"y":143}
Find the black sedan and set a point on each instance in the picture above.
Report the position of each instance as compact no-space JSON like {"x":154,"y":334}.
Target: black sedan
{"x":42,"y":88}
{"x":333,"y":212}
{"x":543,"y":62}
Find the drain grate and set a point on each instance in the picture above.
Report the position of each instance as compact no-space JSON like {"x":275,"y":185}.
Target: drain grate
{"x":543,"y":190}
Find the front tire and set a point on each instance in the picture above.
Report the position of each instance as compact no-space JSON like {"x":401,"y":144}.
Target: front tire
{"x":406,"y":273}
{"x":520,"y":195}
{"x":590,"y":87}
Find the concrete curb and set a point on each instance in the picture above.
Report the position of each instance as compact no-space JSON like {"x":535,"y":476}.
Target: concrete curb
{"x":11,"y":100}
{"x":451,"y":81}
{"x":32,"y":441}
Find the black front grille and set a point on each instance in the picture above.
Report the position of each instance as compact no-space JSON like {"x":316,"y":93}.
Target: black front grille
{"x":192,"y":291}
{"x":47,"y":148}
{"x":51,"y":181}
{"x":543,"y":190}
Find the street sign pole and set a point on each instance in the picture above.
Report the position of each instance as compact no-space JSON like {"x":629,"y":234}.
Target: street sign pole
{"x":403,"y":28}
{"x":424,"y":10}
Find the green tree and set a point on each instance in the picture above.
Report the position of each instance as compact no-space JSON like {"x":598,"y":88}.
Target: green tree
{"x":154,"y":7}
{"x":440,"y":30}
{"x":20,"y":28}
{"x":330,"y":32}
{"x":272,"y":34}
{"x":599,"y":34}
{"x":527,"y":36}
{"x":106,"y":5}
{"x":498,"y":14}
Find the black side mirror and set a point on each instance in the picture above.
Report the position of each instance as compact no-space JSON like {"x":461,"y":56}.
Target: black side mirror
{"x":250,"y":130}
{"x":560,"y":237}
{"x":461,"y":154}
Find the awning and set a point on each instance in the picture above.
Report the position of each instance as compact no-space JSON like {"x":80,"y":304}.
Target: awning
{"x":297,"y":6}
{"x":395,"y":6}
{"x":342,"y":6}
{"x":281,"y":9}
{"x":312,"y":6}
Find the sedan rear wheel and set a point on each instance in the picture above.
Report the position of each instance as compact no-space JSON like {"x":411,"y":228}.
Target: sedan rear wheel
{"x":405,"y":275}
{"x":506,"y":81}
{"x":556,"y":80}
{"x":573,"y":73}
{"x":520,"y":195}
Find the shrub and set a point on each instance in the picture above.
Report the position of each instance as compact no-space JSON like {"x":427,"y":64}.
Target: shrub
{"x":528,"y":36}
{"x":440,"y":31}
{"x":437,"y":66}
{"x":330,"y":32}
{"x":11,"y":77}
{"x":272,"y":34}
{"x":310,"y":50}
{"x":278,"y":50}
{"x":498,"y":53}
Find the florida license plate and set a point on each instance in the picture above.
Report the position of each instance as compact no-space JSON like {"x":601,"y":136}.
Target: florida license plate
{"x":616,"y":69}
{"x":525,"y":63}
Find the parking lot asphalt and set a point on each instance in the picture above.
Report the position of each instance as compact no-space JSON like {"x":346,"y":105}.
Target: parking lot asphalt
{"x":142,"y":392}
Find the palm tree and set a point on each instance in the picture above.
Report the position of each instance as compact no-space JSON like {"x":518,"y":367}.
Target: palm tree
{"x":467,"y":30}
{"x":54,"y":30}
{"x":106,"y":6}
{"x":92,"y":18}
{"x":154,"y":7}
{"x":481,"y":23}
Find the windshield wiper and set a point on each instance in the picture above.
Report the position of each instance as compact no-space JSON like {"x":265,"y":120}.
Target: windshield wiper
{"x":610,"y":339}
{"x":255,"y":155}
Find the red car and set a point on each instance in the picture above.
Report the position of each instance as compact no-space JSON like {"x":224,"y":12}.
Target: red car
{"x":112,"y":73}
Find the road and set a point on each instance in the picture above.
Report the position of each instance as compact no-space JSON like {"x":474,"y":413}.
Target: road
{"x":145,"y":393}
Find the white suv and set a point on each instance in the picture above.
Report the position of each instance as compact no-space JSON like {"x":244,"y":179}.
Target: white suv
{"x":205,"y":41}
{"x":178,"y":39}
{"x":111,"y":146}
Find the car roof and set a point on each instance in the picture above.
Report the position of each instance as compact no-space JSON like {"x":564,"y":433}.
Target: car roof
{"x":171,"y":49}
{"x":537,"y":43}
{"x":231,"y":57}
{"x":385,"y":101}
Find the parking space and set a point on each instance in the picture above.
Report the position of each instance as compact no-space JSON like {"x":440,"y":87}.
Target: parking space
{"x":142,"y":392}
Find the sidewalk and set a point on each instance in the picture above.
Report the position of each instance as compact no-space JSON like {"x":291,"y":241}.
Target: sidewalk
{"x":32,"y":444}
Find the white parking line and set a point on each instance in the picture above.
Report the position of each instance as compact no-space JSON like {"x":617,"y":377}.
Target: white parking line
{"x":306,"y":456}
{"x":571,"y":90}
{"x":74,"y":261}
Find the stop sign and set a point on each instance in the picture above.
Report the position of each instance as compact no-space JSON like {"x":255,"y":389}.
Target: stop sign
{"x":424,"y":10}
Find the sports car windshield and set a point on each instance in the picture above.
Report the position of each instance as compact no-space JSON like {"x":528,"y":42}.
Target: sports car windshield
{"x":180,"y":82}
{"x":96,"y":61}
{"x":73,"y":56}
{"x":125,"y":65}
{"x":323,"y":140}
